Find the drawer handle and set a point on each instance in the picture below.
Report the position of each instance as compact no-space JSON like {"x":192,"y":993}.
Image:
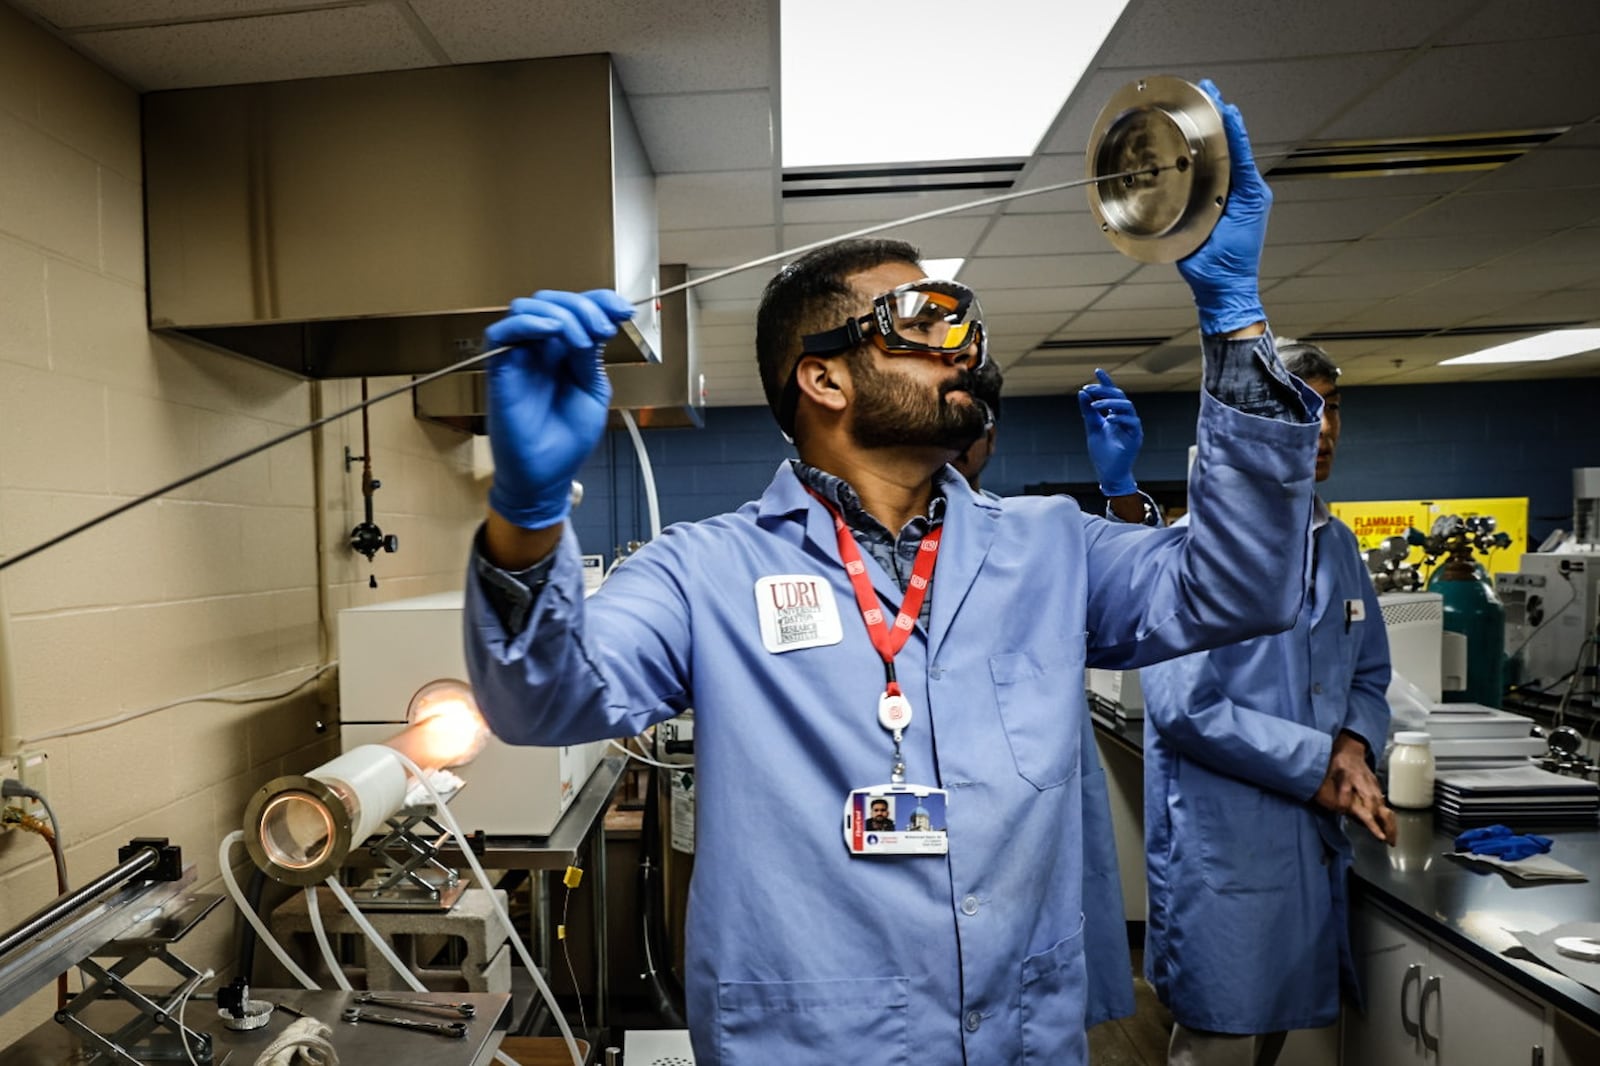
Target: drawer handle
{"x":1413,"y":973}
{"x":1429,"y":988}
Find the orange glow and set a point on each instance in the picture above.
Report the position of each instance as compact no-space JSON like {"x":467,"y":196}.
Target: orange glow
{"x":446,"y":727}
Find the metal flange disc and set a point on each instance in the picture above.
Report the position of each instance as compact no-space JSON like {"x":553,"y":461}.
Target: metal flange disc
{"x":1158,"y":122}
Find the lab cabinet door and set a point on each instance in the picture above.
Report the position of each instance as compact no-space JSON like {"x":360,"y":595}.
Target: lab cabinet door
{"x":1471,"y":1019}
{"x":1393,"y":963}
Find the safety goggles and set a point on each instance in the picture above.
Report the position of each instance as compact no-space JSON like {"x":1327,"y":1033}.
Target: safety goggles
{"x":923,"y":317}
{"x":931,"y":318}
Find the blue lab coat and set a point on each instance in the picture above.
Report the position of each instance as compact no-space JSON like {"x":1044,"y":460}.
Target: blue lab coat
{"x":1248,"y":925}
{"x":797,"y":952}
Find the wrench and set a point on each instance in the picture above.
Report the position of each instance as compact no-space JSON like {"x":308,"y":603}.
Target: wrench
{"x":465,"y":1010}
{"x":450,"y":1029}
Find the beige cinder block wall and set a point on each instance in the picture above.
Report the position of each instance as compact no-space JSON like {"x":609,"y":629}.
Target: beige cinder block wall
{"x":229,"y":584}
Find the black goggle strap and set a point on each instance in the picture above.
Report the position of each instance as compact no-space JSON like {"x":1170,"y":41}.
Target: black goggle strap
{"x":830,"y":341}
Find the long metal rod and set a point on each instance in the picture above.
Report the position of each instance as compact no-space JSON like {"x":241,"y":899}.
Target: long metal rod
{"x":473,"y":360}
{"x":64,"y":907}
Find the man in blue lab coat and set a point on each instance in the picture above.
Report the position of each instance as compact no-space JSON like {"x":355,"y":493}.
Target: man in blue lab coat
{"x":1253,"y":752}
{"x":871,"y":624}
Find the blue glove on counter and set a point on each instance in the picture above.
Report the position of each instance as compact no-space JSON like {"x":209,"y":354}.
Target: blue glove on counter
{"x":1500,"y":842}
{"x":1114,"y":433}
{"x":1222,"y":272}
{"x":548,"y":399}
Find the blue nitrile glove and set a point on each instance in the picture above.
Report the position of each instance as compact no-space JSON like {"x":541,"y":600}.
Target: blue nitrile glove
{"x":1222,"y":272}
{"x":548,"y":398}
{"x":1500,"y":842}
{"x":1114,"y":433}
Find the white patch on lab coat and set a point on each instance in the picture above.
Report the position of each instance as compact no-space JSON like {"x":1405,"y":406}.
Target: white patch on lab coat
{"x":1355,"y":610}
{"x":797,"y":611}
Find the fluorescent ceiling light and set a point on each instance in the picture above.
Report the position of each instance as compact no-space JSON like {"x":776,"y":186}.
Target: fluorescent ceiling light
{"x":943,"y":269}
{"x":1557,"y":344}
{"x":946,"y":79}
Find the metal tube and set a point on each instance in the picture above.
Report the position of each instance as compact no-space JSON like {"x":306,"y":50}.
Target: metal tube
{"x":67,"y":905}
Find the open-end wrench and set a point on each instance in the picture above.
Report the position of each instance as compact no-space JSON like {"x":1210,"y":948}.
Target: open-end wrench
{"x":450,"y":1029}
{"x":465,"y":1010}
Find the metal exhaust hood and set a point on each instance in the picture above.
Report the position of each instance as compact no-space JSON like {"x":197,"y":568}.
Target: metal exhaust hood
{"x":663,"y":395}
{"x":374,"y":224}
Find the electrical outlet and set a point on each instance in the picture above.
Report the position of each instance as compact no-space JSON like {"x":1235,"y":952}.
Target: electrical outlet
{"x":32,"y":768}
{"x":10,"y":767}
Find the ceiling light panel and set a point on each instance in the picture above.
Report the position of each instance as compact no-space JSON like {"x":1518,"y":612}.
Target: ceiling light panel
{"x":1557,"y":344}
{"x":986,"y":86}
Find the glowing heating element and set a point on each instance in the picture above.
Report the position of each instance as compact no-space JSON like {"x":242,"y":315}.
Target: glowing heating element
{"x":300,"y":827}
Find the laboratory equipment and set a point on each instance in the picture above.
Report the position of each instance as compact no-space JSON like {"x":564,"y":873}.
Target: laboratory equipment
{"x":1173,"y":131}
{"x":388,"y":652}
{"x":1414,"y":622}
{"x":1474,"y":620}
{"x":1116,"y":692}
{"x":1553,"y":600}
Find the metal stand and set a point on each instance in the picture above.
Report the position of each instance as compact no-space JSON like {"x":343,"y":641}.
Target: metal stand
{"x":154,"y":1032}
{"x":413,"y":878}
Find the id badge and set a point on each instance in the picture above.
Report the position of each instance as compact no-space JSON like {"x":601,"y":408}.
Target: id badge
{"x":896,"y":820}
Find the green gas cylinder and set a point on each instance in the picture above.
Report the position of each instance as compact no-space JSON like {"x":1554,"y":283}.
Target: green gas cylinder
{"x":1472,"y":609}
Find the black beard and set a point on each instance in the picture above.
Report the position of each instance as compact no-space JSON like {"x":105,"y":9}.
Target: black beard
{"x":893,"y":412}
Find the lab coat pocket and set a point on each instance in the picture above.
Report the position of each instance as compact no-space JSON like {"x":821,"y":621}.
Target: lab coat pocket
{"x":1032,"y":701}
{"x":850,"y":1020}
{"x":1052,"y":1003}
{"x":1248,"y":839}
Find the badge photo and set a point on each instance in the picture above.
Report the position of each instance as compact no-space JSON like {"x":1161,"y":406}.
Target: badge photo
{"x":896,"y":820}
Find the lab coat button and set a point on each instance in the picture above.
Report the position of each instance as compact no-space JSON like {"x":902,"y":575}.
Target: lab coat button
{"x":1317,"y":688}
{"x":969,"y":905}
{"x":974,"y":1019}
{"x":936,"y":672}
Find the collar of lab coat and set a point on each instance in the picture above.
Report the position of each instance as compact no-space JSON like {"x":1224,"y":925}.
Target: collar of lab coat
{"x":970,"y":520}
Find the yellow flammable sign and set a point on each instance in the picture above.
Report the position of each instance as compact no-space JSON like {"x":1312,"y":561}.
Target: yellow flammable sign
{"x":1374,"y":522}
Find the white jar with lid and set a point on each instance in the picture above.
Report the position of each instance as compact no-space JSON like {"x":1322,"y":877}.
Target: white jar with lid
{"x":1411,"y":770}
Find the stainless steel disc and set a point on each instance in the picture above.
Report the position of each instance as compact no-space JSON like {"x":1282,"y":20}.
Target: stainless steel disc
{"x":1168,"y":123}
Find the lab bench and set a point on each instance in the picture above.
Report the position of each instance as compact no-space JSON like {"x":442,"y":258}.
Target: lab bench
{"x":1426,"y":925}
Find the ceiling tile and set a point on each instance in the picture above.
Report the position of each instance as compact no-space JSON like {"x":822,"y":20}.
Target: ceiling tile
{"x":1283,"y":100}
{"x":1556,"y":82}
{"x":1100,"y":268}
{"x":1500,"y":212}
{"x":695,"y":132}
{"x":1150,"y":322}
{"x":718,"y":247}
{"x":730,"y":198}
{"x":1281,"y":260}
{"x":1162,"y":33}
{"x":1370,"y":286}
{"x":1043,"y":235}
{"x":310,"y":44}
{"x":76,"y":14}
{"x":1338,"y":220}
{"x":1572,"y":159}
{"x":1165,"y":294}
{"x":1511,"y":20}
{"x":939,"y":238}
{"x":1286,"y":190}
{"x":1047,"y":170}
{"x":1441,"y":254}
{"x":709,"y":45}
{"x":1058,"y":300}
{"x":862,"y":210}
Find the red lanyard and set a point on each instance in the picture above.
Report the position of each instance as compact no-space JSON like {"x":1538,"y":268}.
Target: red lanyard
{"x":888,"y":640}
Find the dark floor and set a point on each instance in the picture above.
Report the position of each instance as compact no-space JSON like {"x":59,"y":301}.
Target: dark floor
{"x":1140,"y":1040}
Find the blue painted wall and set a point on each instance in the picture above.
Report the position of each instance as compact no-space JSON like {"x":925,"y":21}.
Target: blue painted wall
{"x":1515,"y":438}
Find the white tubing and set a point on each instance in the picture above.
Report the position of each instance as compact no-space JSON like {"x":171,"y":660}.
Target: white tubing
{"x":646,"y":472}
{"x":250,"y":915}
{"x":314,"y":912}
{"x":630,"y":753}
{"x":372,"y":934}
{"x":516,"y":941}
